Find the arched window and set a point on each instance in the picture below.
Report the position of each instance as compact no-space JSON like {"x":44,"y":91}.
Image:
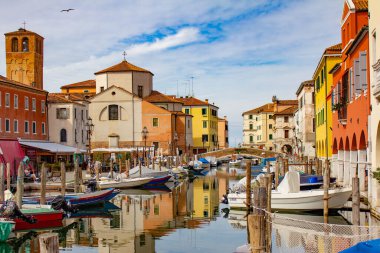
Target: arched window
{"x":63,"y":135}
{"x":14,"y":45}
{"x":113,"y":112}
{"x":25,"y":45}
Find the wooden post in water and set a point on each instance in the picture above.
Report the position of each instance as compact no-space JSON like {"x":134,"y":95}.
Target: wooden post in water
{"x":269,"y":192}
{"x":2,"y":182}
{"x":49,"y":243}
{"x":276,"y":175}
{"x":111,"y":168}
{"x":355,"y":201}
{"x":140,"y":168}
{"x":97,"y":167}
{"x":43,"y":184}
{"x":153,"y":163}
{"x":309,"y":166}
{"x":76,"y":176}
{"x":248,"y":186}
{"x":256,"y":221}
{"x":20,"y":185}
{"x":134,"y":162}
{"x":8,"y":176}
{"x":120,"y":165}
{"x":326,"y":186}
{"x":63,"y":179}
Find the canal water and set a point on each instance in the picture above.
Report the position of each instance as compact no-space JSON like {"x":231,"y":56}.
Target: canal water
{"x":185,"y":219}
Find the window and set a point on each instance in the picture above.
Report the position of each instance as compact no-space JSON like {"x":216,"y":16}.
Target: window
{"x":43,"y":106}
{"x":214,"y":112}
{"x":204,"y":137}
{"x":63,"y":135}
{"x":205,"y":200}
{"x":270,"y":126}
{"x":156,"y":145}
{"x":250,"y":116}
{"x":113,"y":112}
{"x":270,"y":137}
{"x":34,"y":127}
{"x":313,"y":97}
{"x":250,"y":126}
{"x":313,"y":125}
{"x":205,"y":124}
{"x":300,"y":103}
{"x":7,"y":125}
{"x":286,"y":133}
{"x":270,"y":116}
{"x":257,"y":118}
{"x":26,"y":103}
{"x":25,"y":45}
{"x":101,"y":88}
{"x":43,"y":128}
{"x":15,"y":101}
{"x":75,"y":136}
{"x":26,"y":127}
{"x":85,"y":91}
{"x":14,"y":45}
{"x":187,"y":111}
{"x":33,"y":104}
{"x":82,"y":136}
{"x":75,"y":113}
{"x":204,"y":111}
{"x":7,"y":99}
{"x":286,"y":119}
{"x":15,"y":126}
{"x":62,"y":113}
{"x":140,"y":91}
{"x":155,"y":122}
{"x":251,"y":138}
{"x":81,"y":115}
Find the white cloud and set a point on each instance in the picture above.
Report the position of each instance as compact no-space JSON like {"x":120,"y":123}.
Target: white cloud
{"x":182,"y":37}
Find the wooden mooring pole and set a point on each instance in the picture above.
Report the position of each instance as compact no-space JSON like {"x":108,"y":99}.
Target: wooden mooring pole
{"x":248,"y":200}
{"x":43,"y":184}
{"x":76,"y":176}
{"x":276,"y":175}
{"x":355,"y":201}
{"x":256,"y":221}
{"x":63,"y":179}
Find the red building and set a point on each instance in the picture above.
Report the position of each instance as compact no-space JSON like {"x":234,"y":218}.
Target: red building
{"x":350,"y":96}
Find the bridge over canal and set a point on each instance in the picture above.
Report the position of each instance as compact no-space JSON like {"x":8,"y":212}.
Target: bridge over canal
{"x":259,"y":153}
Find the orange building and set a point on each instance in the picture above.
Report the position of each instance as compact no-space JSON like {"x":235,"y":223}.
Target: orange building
{"x":170,"y":130}
{"x":223,"y":133}
{"x":88,"y":86}
{"x":350,"y":96}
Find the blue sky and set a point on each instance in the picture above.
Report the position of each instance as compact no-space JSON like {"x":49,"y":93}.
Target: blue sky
{"x":240,"y":53}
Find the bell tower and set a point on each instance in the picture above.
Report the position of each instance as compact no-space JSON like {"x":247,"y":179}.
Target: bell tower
{"x":24,"y":57}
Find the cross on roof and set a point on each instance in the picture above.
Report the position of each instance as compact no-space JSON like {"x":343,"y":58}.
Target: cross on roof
{"x":24,"y":23}
{"x":124,"y":54}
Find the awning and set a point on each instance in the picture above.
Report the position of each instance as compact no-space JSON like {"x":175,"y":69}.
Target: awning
{"x":116,"y":150}
{"x":11,"y":152}
{"x":51,"y":147}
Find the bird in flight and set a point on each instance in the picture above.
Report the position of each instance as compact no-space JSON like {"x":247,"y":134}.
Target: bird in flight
{"x":67,"y":10}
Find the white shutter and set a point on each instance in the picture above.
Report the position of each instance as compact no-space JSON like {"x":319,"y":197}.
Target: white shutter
{"x":352,"y":85}
{"x":357,"y":76}
{"x":363,"y":70}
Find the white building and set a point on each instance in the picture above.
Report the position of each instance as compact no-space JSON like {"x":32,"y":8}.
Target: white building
{"x":68,"y":114}
{"x":304,"y":120}
{"x":374,"y":44}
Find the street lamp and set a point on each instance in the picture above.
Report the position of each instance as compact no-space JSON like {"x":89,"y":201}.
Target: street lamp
{"x":144,"y":134}
{"x":89,"y":128}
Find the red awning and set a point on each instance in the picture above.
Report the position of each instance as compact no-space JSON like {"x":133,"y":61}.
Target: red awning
{"x":11,"y":152}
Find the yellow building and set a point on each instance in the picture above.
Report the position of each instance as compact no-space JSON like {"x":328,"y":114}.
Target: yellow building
{"x":206,"y":197}
{"x":323,"y":82}
{"x":88,"y":86}
{"x":205,"y":123}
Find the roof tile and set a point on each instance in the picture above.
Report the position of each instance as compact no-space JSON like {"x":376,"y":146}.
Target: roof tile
{"x":123,"y":66}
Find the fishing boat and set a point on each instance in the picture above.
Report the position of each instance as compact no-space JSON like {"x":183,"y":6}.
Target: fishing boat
{"x":124,"y":183}
{"x":147,"y":172}
{"x":78,"y":199}
{"x":44,"y":218}
{"x":159,"y":180}
{"x":289,"y":197}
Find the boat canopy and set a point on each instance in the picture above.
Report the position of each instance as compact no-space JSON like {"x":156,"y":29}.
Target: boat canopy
{"x":51,"y":147}
{"x":371,"y":246}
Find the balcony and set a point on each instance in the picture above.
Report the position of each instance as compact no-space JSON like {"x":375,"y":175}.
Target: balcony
{"x":376,"y":86}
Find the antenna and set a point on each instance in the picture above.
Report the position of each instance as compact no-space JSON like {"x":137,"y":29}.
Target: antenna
{"x":192,"y":86}
{"x":124,"y":54}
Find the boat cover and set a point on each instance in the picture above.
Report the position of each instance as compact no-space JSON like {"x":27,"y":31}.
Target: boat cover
{"x":364,"y":247}
{"x":290,"y":183}
{"x":11,"y":152}
{"x":203,"y":160}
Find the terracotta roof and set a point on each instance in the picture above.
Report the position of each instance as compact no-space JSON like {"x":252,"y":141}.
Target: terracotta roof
{"x":22,"y":85}
{"x":287,"y":102}
{"x":360,"y":5}
{"x":123,"y":66}
{"x":287,"y":111}
{"x":188,"y":101}
{"x":75,"y":96}
{"x":83,"y":84}
{"x":158,"y":97}
{"x":23,"y":32}
{"x":335,"y":49}
{"x":309,"y":83}
{"x":61,"y":98}
{"x":264,"y":108}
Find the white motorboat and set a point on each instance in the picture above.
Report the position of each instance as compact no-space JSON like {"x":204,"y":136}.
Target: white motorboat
{"x":289,"y":197}
{"x":147,"y":172}
{"x":124,"y":183}
{"x":235,"y":163}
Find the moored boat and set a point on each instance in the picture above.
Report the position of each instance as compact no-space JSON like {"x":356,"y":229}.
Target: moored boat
{"x":124,"y":183}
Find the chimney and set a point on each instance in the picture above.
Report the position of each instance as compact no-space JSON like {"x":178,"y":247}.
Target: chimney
{"x":206,"y":100}
{"x":225,"y":117}
{"x":275,"y":103}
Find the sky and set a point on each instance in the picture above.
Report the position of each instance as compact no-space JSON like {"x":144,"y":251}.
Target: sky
{"x":239,"y":53}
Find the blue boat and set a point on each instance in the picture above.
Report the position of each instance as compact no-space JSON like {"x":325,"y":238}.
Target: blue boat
{"x":372,"y":246}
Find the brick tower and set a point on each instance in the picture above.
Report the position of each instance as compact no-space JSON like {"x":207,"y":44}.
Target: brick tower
{"x":24,"y":57}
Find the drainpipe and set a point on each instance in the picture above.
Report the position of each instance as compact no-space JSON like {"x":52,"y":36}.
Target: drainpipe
{"x":327,"y":133}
